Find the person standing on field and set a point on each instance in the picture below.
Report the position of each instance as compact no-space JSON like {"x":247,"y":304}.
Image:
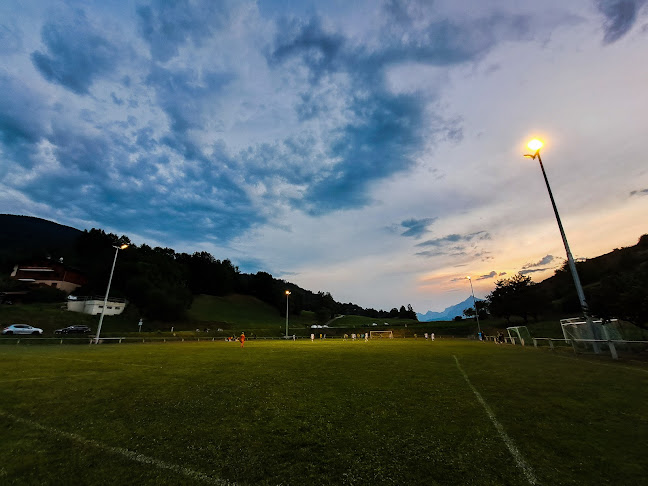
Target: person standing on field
{"x":242,"y":339}
{"x":312,"y":337}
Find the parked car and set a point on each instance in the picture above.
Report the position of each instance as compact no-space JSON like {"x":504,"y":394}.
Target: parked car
{"x":74,"y":330}
{"x":21,"y":329}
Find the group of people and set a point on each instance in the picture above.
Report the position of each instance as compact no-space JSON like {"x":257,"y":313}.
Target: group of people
{"x":354,"y":336}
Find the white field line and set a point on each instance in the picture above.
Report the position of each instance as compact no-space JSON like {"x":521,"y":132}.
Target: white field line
{"x":133,"y":456}
{"x":519,"y":460}
{"x":107,"y":362}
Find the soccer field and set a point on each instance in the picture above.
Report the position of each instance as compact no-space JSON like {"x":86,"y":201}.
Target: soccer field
{"x":386,"y":412}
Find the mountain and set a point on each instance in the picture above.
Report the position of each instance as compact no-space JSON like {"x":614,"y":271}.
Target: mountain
{"x":448,"y":314}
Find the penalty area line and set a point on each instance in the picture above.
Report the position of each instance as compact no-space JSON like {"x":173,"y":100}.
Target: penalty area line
{"x":134,"y":456}
{"x":519,"y":460}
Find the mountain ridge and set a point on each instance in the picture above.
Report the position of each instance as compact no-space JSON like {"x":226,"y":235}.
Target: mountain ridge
{"x":448,"y":313}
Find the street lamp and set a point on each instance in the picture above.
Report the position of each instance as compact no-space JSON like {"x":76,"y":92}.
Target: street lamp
{"x":474,"y":303}
{"x":287,"y":294}
{"x":103,"y":309}
{"x":535,"y":145}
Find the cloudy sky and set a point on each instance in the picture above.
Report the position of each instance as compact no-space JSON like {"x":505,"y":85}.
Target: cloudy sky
{"x":370,"y":149}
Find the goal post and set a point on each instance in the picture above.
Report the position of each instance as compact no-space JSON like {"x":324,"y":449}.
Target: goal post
{"x":519,"y":333}
{"x":381,"y":334}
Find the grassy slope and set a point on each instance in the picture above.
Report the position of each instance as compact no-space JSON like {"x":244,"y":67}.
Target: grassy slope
{"x":245,"y":313}
{"x":329,"y":412}
{"x":244,"y":310}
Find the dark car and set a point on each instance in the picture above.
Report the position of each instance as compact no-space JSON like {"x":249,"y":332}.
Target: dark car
{"x":74,"y":330}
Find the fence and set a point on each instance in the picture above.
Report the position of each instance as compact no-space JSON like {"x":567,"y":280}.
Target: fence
{"x":583,"y":345}
{"x":120,"y":340}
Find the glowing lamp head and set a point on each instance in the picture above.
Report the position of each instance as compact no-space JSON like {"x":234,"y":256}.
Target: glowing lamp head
{"x":468,"y":277}
{"x":287,"y":292}
{"x":535,"y":145}
{"x":123,"y":247}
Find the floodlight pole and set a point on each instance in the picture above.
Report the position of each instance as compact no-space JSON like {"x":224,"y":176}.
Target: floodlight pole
{"x":103,"y":309}
{"x":474,"y":303}
{"x":287,"y":294}
{"x":570,"y":258}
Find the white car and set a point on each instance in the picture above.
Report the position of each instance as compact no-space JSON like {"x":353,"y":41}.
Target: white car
{"x":21,"y":329}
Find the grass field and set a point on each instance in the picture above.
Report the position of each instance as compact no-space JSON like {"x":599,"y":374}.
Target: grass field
{"x":387,"y":412}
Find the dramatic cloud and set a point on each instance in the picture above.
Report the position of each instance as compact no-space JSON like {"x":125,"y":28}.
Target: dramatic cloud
{"x":167,"y":26}
{"x":76,"y":54}
{"x":543,"y":261}
{"x":284,"y":136}
{"x":487,"y":276}
{"x":455,"y":245}
{"x":455,"y":238}
{"x":620,"y":16}
{"x":533,"y":270}
{"x":416,"y":227}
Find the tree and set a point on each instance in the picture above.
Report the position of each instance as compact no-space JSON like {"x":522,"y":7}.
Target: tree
{"x":482,"y":307}
{"x":322,"y":315}
{"x":622,"y":296}
{"x":515,"y":296}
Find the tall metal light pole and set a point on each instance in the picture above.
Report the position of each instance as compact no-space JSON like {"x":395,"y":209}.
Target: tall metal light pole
{"x":287,"y":294}
{"x":103,"y":309}
{"x":535,"y":145}
{"x":474,"y":303}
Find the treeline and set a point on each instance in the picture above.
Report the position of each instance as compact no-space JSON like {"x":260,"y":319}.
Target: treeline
{"x":161,"y":282}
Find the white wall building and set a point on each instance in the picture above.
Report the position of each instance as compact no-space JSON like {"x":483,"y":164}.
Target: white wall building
{"x":94,"y":305}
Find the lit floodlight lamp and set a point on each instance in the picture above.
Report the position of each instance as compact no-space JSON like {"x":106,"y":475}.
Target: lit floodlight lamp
{"x":536,"y":145}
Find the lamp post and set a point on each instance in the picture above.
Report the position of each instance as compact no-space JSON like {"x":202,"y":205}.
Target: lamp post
{"x":474,"y":303}
{"x":535,"y":145}
{"x":287,"y":294}
{"x":103,"y":309}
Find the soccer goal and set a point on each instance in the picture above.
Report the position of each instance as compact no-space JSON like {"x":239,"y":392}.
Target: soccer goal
{"x":577,"y":328}
{"x":520,"y":334}
{"x":381,"y":334}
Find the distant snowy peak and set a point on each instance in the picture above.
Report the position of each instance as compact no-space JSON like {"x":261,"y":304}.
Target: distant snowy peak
{"x":448,"y":314}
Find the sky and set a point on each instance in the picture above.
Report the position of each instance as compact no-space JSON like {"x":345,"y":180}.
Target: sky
{"x":373,"y":150}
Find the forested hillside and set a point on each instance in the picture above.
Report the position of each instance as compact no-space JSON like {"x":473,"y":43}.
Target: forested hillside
{"x":160,"y":282}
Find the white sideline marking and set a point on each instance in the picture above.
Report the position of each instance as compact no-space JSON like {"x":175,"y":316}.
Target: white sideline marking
{"x":134,"y":456}
{"x":519,"y":460}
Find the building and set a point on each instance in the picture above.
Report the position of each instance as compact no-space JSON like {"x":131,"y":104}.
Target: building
{"x":94,"y":305}
{"x":50,"y":274}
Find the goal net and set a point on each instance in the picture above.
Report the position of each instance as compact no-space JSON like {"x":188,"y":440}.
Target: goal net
{"x":519,"y":335}
{"x":381,"y":334}
{"x":577,"y":328}
{"x":581,"y":336}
